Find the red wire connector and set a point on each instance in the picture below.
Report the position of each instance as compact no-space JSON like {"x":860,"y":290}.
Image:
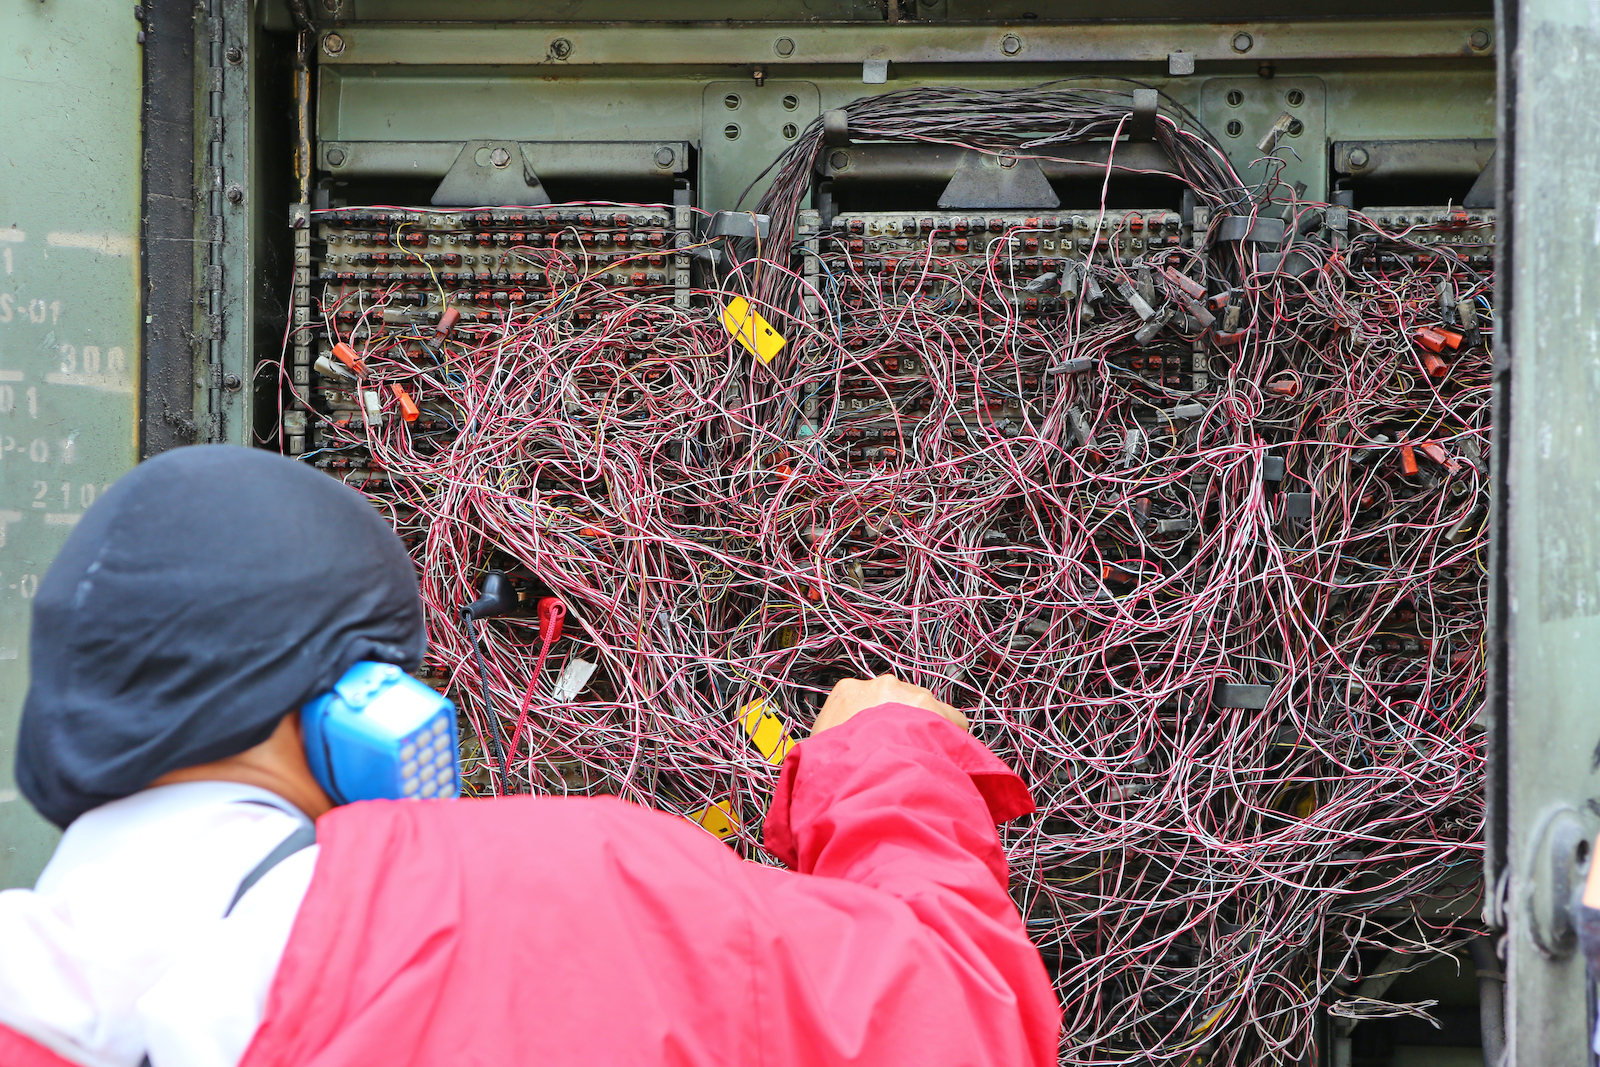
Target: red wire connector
{"x":447,"y":322}
{"x":408,"y":407}
{"x":1436,"y":339}
{"x":348,"y":357}
{"x":551,"y":613}
{"x":1408,"y":459}
{"x":1435,"y":451}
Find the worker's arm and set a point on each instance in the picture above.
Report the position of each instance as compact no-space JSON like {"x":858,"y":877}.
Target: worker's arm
{"x":903,"y":945}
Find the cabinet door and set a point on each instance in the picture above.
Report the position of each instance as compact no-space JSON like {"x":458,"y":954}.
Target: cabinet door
{"x":71,"y":75}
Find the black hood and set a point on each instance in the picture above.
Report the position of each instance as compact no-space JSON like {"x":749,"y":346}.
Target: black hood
{"x":208,"y":593}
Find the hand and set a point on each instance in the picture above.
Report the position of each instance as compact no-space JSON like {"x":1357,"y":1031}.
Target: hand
{"x":854,"y":695}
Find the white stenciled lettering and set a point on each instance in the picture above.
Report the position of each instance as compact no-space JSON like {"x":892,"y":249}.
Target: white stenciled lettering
{"x":39,"y":450}
{"x":104,"y":369}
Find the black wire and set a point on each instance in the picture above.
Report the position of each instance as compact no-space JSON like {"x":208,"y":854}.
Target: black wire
{"x":497,"y":741}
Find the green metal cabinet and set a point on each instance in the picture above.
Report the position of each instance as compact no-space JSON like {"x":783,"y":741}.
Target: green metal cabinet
{"x":146,"y":259}
{"x":70,"y":303}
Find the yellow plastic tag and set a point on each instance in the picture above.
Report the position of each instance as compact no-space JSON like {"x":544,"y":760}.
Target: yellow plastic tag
{"x":719,"y":818}
{"x":766,"y":730}
{"x":751,"y":330}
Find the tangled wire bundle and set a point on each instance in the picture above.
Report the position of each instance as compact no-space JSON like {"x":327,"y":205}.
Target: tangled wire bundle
{"x":1089,"y":577}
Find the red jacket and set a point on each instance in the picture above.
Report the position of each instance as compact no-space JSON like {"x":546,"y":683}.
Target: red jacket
{"x":549,"y":931}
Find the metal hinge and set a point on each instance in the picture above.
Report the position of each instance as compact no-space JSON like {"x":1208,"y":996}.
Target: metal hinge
{"x":211,"y":196}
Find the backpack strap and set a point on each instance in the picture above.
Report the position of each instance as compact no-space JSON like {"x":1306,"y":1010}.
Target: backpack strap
{"x":304,"y":837}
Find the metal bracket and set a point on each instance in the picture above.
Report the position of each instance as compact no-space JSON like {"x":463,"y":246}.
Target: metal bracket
{"x":1553,"y":879}
{"x":1482,"y":193}
{"x":490,"y":173}
{"x":835,"y":127}
{"x":744,"y":224}
{"x":1258,"y":229}
{"x":1142,"y":123}
{"x":1001,"y":183}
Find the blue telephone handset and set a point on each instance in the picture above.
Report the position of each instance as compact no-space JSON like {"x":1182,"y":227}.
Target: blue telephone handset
{"x":380,"y":734}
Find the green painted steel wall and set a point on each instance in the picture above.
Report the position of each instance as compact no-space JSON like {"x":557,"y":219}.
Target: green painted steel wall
{"x":70,"y":84}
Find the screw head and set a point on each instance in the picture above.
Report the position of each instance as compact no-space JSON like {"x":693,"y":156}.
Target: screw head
{"x":235,"y":194}
{"x":784,"y":46}
{"x":1359,"y":158}
{"x":1480,"y":39}
{"x":560,"y":48}
{"x":1243,"y":42}
{"x":235,"y":54}
{"x":1011,"y":44}
{"x":336,"y":157}
{"x":333,"y":44}
{"x":231,"y":381}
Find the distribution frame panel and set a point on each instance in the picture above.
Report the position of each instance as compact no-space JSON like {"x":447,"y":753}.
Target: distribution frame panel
{"x":1170,"y":476}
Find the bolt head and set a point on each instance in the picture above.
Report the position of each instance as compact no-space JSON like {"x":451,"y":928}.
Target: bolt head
{"x":333,"y":44}
{"x":1008,"y":161}
{"x":499,"y":157}
{"x":839,"y":160}
{"x":784,"y":46}
{"x":336,"y":157}
{"x":665,"y":156}
{"x":560,"y":48}
{"x":235,"y":54}
{"x":235,"y":194}
{"x":1359,"y":157}
{"x":231,"y":381}
{"x":1243,"y":42}
{"x":1011,"y":44}
{"x":1480,"y":39}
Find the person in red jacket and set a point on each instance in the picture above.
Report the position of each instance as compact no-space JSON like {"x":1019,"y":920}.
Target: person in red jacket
{"x":185,"y":920}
